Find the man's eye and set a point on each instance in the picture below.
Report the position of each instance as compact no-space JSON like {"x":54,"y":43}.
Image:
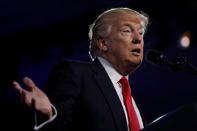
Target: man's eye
{"x":126,"y":31}
{"x":141,"y":33}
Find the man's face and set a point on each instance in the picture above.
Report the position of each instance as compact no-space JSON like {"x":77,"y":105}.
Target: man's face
{"x":125,"y":42}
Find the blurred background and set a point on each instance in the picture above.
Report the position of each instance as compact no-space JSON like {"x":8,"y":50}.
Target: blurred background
{"x":35,"y":35}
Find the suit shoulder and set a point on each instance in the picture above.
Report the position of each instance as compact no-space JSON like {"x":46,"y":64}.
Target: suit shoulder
{"x":71,"y":64}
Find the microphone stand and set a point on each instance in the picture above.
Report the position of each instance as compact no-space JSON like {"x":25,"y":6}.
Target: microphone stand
{"x":183,"y":64}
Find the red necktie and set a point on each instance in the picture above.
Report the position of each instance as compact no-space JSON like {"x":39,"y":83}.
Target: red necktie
{"x":133,"y":120}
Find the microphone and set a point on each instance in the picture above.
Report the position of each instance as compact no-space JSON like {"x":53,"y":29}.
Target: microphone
{"x":157,"y":58}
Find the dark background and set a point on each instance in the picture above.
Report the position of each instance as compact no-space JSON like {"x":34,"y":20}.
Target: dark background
{"x":36,"y":34}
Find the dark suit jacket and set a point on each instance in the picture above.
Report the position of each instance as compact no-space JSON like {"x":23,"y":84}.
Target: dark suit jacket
{"x":85,"y":98}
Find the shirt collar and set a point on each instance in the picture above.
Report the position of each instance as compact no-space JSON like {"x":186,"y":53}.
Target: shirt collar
{"x":113,"y":74}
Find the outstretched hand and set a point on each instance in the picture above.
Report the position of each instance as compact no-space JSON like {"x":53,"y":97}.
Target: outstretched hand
{"x":34,"y":98}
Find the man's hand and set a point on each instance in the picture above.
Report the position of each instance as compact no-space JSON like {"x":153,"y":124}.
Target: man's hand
{"x":35,"y":98}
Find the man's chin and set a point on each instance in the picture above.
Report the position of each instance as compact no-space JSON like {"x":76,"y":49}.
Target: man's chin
{"x":135,"y":62}
{"x":132,"y":66}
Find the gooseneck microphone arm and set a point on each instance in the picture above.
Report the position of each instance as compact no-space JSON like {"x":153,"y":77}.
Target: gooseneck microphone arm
{"x":189,"y":67}
{"x":179,"y":63}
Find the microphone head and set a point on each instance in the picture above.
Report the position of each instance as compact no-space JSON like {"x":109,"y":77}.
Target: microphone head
{"x":155,"y":57}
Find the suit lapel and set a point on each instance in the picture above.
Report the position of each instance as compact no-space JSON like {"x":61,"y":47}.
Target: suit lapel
{"x":110,"y":95}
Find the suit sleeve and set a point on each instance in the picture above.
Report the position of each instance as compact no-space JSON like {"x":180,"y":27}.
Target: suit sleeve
{"x":63,"y":91}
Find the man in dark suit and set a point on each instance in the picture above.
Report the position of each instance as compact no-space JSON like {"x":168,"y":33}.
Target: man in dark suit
{"x":94,"y":96}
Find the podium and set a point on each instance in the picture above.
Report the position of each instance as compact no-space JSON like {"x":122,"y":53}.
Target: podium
{"x":183,"y":118}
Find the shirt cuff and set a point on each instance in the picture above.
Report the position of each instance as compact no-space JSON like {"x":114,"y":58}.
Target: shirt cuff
{"x":37,"y":127}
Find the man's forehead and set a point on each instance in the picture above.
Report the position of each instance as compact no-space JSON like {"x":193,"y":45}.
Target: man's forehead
{"x":130,"y":22}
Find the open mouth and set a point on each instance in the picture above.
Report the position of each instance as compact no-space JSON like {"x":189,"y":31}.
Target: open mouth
{"x":136,"y":51}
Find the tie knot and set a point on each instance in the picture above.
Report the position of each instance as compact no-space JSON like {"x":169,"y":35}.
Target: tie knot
{"x":125,"y":87}
{"x":123,"y":81}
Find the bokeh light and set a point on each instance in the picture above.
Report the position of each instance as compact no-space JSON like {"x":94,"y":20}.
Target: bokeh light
{"x":185,"y":40}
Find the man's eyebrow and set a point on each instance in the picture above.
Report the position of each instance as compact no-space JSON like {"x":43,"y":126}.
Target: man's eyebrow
{"x":129,"y":25}
{"x":126,"y":25}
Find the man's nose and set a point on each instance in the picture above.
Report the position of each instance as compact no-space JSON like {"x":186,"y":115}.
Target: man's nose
{"x":137,"y":38}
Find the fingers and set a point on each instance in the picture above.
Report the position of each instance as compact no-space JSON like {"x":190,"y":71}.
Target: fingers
{"x":26,"y":96}
{"x":29,"y":83}
{"x":27,"y":99}
{"x":22,"y":92}
{"x":18,"y":88}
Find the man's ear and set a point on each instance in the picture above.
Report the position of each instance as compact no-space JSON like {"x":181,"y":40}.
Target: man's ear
{"x":102,"y":45}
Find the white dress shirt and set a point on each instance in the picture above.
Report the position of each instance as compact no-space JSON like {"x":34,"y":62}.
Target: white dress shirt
{"x":115,"y":76}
